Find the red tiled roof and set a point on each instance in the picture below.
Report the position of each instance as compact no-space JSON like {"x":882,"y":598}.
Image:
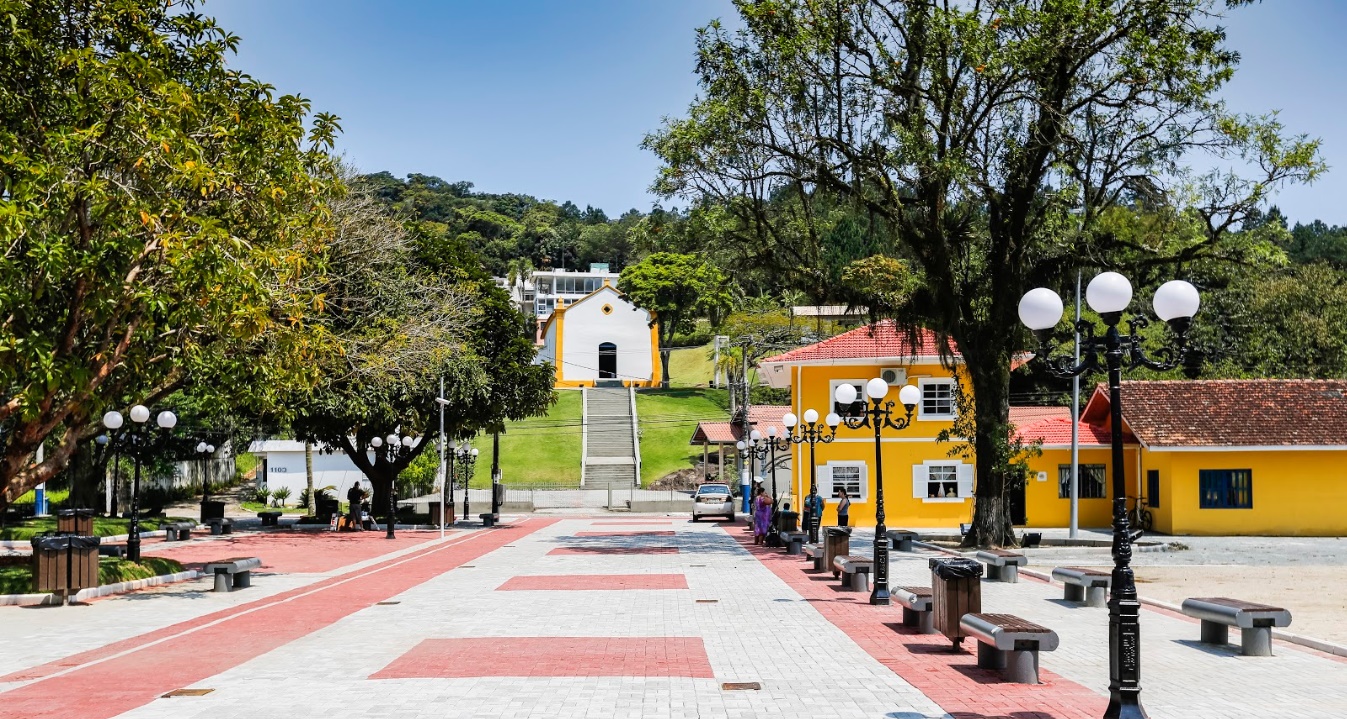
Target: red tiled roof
{"x":1021,"y":415}
{"x":1231,"y":413}
{"x":1057,"y":430}
{"x":759,"y":415}
{"x":882,"y":339}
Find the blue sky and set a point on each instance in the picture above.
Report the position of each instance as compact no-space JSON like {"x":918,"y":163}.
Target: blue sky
{"x":552,"y":97}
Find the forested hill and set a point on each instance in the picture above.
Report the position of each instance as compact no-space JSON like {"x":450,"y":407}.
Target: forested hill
{"x":511,"y":229}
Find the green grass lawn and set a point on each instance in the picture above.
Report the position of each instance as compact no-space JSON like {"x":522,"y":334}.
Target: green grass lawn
{"x":54,"y":497}
{"x":667,"y":419}
{"x":537,"y":451}
{"x":691,"y":367}
{"x":16,"y":576}
{"x":103,"y":526}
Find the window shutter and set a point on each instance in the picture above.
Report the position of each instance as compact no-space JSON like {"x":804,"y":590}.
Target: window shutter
{"x":921,"y":477}
{"x":965,"y":480}
{"x":825,"y":481}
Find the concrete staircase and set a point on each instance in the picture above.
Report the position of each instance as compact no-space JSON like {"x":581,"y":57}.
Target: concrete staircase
{"x":610,"y":443}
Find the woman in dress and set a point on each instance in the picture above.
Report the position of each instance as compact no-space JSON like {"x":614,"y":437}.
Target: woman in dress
{"x":762,"y":516}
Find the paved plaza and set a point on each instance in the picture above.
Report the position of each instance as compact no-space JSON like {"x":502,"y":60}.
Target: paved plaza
{"x":579,"y":616}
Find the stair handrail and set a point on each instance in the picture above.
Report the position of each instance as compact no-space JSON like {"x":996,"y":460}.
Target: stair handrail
{"x":584,"y":432}
{"x":635,"y":435}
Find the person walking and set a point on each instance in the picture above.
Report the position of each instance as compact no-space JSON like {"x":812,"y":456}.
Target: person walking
{"x":354,"y":495}
{"x":813,"y":514}
{"x":843,"y":508}
{"x":762,"y":516}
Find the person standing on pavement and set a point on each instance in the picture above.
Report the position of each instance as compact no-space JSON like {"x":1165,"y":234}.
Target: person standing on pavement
{"x":762,"y":516}
{"x":843,"y":508}
{"x":355,"y":495}
{"x":813,"y":514}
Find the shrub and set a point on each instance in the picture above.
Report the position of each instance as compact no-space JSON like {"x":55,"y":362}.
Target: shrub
{"x":280,"y":494}
{"x":261,"y":495}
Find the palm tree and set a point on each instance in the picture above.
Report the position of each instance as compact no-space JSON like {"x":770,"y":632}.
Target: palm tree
{"x":517,"y":274}
{"x":791,"y":299}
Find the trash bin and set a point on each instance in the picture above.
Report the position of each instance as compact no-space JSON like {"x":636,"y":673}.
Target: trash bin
{"x":836,"y":543}
{"x":325,"y":508}
{"x":956,"y":590}
{"x":75,"y":521}
{"x":64,"y":564}
{"x":787,"y":521}
{"x":211,"y":509}
{"x":498,"y":497}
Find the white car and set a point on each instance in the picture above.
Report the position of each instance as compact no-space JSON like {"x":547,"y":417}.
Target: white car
{"x":713,"y":500}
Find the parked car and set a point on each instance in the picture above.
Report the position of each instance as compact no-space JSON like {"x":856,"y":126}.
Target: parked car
{"x":713,"y":500}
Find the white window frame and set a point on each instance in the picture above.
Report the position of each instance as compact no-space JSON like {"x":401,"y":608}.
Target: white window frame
{"x":859,"y":384}
{"x":921,"y":481}
{"x":922,"y":414}
{"x":825,"y":481}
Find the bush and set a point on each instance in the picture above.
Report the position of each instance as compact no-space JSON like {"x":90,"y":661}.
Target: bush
{"x":322,"y":492}
{"x":280,"y":494}
{"x":261,"y":496}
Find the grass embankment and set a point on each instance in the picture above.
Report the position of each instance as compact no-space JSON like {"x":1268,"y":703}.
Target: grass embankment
{"x":54,"y":497}
{"x":16,"y":575}
{"x":103,"y":526}
{"x":667,"y":419}
{"x":536,"y":451}
{"x":691,"y":367}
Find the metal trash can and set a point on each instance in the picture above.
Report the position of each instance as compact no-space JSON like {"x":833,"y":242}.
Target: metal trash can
{"x":75,"y":521}
{"x":956,"y":590}
{"x":787,"y":521}
{"x":211,"y":509}
{"x":836,"y":543}
{"x":64,"y":564}
{"x":498,"y":496}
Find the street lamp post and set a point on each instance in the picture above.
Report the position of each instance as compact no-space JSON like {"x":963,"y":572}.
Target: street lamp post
{"x":467,"y":456}
{"x":1109,"y":294}
{"x":752,"y":449}
{"x":878,"y":415}
{"x":397,"y":446}
{"x":203,"y":453}
{"x":773,"y":444}
{"x":138,"y":439}
{"x":811,"y":432}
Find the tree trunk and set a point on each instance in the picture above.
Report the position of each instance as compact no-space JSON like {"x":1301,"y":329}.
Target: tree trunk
{"x":990,"y":379}
{"x":308,"y":476}
{"x":381,"y":484}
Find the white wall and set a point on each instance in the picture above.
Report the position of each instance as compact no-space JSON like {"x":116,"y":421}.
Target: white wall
{"x":285,"y":468}
{"x":548,"y":353}
{"x":586,"y":327}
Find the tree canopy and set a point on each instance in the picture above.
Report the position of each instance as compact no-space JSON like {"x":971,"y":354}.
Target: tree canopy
{"x":676,"y":290}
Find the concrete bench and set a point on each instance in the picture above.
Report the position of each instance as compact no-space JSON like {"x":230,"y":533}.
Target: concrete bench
{"x":1255,"y":622}
{"x":793,"y":541}
{"x":901,"y":539}
{"x":231,"y":574}
{"x":489,"y":519}
{"x":916,"y":604}
{"x":815,"y":552}
{"x":1083,"y":584}
{"x":855,"y":571}
{"x":176,"y":531}
{"x":112,"y":550}
{"x":270,"y":519}
{"x":220,"y":526}
{"x":1002,"y":564}
{"x":1010,"y":644}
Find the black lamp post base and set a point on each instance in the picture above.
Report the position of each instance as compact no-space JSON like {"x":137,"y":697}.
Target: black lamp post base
{"x":1125,"y":705}
{"x":133,"y":550}
{"x":879,"y":596}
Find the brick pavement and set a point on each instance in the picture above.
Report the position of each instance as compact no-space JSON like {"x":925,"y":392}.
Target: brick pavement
{"x":593,"y":582}
{"x":552,"y":657}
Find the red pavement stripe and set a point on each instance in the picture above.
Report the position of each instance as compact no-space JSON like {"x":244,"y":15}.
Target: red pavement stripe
{"x":592,"y":582}
{"x":925,"y":661}
{"x":613,"y":550}
{"x":552,"y":657}
{"x":631,"y":522}
{"x":107,"y":688}
{"x":655,"y":533}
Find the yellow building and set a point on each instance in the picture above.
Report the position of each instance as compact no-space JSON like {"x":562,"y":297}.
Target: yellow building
{"x":1209,"y":457}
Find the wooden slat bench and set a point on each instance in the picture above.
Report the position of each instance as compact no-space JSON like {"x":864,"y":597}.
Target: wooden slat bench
{"x":901,"y":539}
{"x":855,"y":571}
{"x":815,"y":552}
{"x":1255,"y":622}
{"x":1010,"y":644}
{"x":916,"y":604}
{"x":1002,"y":564}
{"x":1084,"y":584}
{"x":270,"y":519}
{"x":231,"y":574}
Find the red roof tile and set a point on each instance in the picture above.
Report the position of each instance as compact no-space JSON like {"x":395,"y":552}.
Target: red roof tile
{"x":882,"y":339}
{"x":759,"y":415}
{"x":1231,"y":413}
{"x":1021,"y":415}
{"x":1057,"y":430}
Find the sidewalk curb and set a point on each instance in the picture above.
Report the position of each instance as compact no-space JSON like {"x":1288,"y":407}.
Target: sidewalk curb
{"x":51,"y":599}
{"x":1304,"y":641}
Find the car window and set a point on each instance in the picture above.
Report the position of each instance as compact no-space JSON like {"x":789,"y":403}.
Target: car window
{"x":722,"y":489}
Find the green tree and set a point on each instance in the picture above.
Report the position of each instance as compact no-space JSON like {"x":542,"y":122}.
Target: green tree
{"x":676,"y":290}
{"x":161,"y":214}
{"x":987,"y":138}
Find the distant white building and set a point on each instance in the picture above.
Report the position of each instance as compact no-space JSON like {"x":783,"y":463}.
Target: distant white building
{"x":557,"y":288}
{"x":602,"y":337}
{"x":280,"y":463}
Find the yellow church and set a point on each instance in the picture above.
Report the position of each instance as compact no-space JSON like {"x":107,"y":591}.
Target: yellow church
{"x":602,"y":339}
